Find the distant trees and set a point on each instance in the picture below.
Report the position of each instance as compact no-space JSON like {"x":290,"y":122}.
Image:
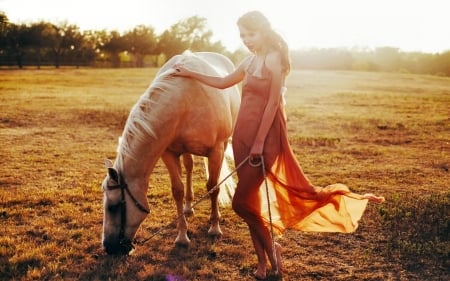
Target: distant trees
{"x":141,"y":41}
{"x":386,"y":59}
{"x":44,"y":43}
{"x":190,"y":34}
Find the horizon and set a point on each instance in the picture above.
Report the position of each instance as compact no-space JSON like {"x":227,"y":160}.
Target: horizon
{"x":410,"y":26}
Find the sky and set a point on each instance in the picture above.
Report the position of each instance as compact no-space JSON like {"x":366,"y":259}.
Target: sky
{"x":410,"y":25}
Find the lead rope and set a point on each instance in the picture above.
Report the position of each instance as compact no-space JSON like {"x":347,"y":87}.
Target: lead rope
{"x":268,"y":206}
{"x":217,"y":186}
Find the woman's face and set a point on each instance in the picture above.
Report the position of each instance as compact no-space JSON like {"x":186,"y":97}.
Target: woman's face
{"x":253,"y":40}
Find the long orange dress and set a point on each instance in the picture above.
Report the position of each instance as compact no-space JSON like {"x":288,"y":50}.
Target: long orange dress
{"x":294,"y":202}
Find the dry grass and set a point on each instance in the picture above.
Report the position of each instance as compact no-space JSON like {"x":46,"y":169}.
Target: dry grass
{"x":382,"y":133}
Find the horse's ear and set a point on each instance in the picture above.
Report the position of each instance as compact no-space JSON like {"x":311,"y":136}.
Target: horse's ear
{"x":108,"y":163}
{"x":113,"y":175}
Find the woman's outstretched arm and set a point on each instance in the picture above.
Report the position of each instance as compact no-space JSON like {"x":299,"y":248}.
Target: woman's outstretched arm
{"x":213,"y":81}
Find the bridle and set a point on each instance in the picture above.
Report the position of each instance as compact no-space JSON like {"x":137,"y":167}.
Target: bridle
{"x":123,"y":242}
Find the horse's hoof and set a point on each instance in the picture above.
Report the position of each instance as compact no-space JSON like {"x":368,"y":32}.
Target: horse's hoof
{"x":215,"y":232}
{"x":182,"y":244}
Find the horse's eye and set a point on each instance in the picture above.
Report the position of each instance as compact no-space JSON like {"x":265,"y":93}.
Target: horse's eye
{"x":113,"y":208}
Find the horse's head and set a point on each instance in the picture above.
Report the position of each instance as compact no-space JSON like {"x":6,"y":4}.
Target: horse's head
{"x":123,"y":213}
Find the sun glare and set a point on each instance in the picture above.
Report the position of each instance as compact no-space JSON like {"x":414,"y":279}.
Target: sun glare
{"x":408,"y":25}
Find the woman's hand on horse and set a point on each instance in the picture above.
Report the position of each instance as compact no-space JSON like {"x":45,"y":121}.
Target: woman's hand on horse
{"x":180,"y":70}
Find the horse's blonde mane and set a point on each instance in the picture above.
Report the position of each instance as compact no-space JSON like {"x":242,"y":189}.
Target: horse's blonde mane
{"x":144,"y":115}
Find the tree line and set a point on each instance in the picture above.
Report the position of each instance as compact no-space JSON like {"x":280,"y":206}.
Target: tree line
{"x":387,"y":59}
{"x":43,"y":43}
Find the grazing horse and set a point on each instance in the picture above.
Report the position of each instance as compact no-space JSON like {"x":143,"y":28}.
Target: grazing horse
{"x":175,"y":117}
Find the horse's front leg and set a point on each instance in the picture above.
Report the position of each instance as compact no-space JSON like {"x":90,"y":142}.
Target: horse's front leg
{"x":173,"y":164}
{"x":215,"y":159}
{"x":188,"y":162}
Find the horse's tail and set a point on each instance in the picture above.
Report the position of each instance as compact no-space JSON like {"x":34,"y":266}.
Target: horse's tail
{"x":228,"y":185}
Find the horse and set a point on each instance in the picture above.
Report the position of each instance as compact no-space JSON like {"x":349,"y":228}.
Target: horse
{"x":176,"y":117}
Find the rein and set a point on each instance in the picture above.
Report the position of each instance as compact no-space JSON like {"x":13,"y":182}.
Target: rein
{"x":217,"y":186}
{"x":255,"y":163}
{"x":263,"y":167}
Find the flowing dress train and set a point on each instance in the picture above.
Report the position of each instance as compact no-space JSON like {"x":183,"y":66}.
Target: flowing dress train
{"x":295,"y":203}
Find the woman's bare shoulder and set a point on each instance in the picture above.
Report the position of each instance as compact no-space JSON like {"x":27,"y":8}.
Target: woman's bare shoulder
{"x":273,"y":61}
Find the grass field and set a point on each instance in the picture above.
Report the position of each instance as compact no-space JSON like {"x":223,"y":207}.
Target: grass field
{"x":383,"y":133}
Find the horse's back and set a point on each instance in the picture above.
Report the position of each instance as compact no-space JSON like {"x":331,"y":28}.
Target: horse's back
{"x":224,"y":66}
{"x":210,"y":63}
{"x":197,"y":116}
{"x":217,"y":60}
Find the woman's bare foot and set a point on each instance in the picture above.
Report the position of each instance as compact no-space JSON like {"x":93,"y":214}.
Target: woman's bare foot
{"x":279,"y":270}
{"x":260,"y":273}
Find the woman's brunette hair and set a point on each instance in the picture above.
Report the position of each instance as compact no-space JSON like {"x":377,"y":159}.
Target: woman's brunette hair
{"x":256,"y":21}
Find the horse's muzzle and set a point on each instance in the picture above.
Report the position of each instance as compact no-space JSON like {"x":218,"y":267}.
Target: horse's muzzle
{"x":124,"y":247}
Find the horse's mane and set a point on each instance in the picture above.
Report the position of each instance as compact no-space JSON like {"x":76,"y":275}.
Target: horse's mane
{"x":144,"y":115}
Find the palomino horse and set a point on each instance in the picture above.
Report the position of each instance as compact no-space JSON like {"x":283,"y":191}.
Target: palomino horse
{"x":175,"y":116}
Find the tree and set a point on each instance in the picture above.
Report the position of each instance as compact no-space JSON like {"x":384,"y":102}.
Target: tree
{"x":114,"y":45}
{"x":141,"y":41}
{"x":40,"y":39}
{"x":188,"y":34}
{"x":98,"y":41}
{"x":17,"y":42}
{"x":63,"y":40}
{"x":4,"y":22}
{"x":171,"y":43}
{"x":92,"y":44}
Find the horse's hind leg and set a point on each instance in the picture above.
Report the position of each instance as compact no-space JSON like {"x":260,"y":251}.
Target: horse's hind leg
{"x":188,"y":162}
{"x":173,"y":164}
{"x":214,"y":165}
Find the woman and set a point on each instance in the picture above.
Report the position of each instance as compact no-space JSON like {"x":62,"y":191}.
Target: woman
{"x":260,"y":135}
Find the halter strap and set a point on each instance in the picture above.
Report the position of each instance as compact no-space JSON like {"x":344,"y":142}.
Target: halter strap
{"x":123,"y":210}
{"x":124,"y":186}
